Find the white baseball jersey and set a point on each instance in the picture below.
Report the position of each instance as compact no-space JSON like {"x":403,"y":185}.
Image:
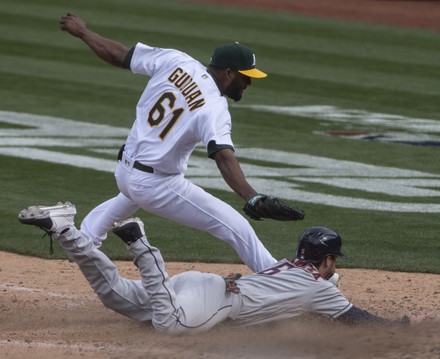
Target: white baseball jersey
{"x":180,"y":107}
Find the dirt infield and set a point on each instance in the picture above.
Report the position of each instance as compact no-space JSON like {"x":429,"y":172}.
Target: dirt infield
{"x":424,"y":14}
{"x":47,"y":309}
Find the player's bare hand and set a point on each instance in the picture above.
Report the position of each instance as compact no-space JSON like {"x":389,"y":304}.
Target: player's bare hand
{"x":72,"y":24}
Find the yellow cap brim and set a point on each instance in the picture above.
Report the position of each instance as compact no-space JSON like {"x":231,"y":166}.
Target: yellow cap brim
{"x":254,"y":73}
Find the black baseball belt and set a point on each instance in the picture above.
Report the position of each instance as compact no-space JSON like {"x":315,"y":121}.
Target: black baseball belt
{"x":139,"y":166}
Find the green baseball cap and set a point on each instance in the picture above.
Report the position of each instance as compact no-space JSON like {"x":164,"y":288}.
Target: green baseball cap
{"x":236,"y":57}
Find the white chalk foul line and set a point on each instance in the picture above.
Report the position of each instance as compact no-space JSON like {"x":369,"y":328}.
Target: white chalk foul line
{"x":62,"y":346}
{"x":14,"y":287}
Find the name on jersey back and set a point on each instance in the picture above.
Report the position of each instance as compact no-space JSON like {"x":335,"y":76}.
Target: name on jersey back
{"x":189,"y":89}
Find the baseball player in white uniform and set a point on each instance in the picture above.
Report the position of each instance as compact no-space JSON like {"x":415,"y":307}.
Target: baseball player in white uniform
{"x":183,"y":104}
{"x":194,"y":301}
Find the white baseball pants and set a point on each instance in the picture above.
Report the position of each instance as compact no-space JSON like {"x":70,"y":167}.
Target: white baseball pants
{"x":178,"y":199}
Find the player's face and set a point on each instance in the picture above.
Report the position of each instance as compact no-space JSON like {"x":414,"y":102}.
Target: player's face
{"x":238,"y":84}
{"x":329,"y":268}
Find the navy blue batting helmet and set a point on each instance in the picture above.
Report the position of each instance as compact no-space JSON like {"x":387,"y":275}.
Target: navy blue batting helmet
{"x":317,"y":243}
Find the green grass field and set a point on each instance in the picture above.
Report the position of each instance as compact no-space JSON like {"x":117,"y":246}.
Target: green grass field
{"x":373,"y":79}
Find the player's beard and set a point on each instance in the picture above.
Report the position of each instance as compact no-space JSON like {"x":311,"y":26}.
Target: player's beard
{"x":234,"y":91}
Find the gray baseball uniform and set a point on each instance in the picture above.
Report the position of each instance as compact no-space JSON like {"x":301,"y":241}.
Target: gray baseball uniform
{"x":194,"y":301}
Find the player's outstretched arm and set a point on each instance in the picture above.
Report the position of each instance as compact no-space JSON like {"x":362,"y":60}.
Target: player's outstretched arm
{"x":357,"y":316}
{"x":257,"y":205}
{"x":108,"y":50}
{"x":233,"y":175}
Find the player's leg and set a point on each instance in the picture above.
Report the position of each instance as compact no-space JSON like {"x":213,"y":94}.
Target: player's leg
{"x":180,"y":200}
{"x":100,"y":220}
{"x":191,"y":301}
{"x":124,"y":296}
{"x":203,"y":299}
{"x":155,"y":280}
{"x":201,"y":210}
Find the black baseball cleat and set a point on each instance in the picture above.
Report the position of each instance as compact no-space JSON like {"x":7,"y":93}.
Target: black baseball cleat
{"x":129,"y":230}
{"x":49,"y":218}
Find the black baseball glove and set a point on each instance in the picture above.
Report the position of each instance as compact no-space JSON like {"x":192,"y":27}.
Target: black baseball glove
{"x":263,"y":206}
